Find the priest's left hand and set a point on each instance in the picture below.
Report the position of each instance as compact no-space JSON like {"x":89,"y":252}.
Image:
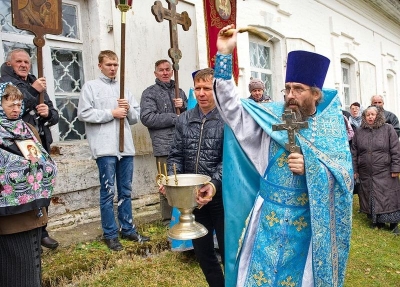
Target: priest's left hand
{"x":296,"y":163}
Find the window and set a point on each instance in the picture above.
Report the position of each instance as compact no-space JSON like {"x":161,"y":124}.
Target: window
{"x":62,"y":62}
{"x":391,"y":91}
{"x":346,"y":84}
{"x":260,"y":64}
{"x":68,"y":76}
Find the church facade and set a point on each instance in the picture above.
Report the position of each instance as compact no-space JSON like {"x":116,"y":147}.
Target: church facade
{"x":362,"y":39}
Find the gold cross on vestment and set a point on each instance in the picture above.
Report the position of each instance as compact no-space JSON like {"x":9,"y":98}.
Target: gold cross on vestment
{"x":272,"y":219}
{"x":290,"y":125}
{"x":288,"y":282}
{"x":303,"y":199}
{"x":260,"y":278}
{"x":300,"y":223}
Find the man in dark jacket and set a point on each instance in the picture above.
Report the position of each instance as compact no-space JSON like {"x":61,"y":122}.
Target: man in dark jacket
{"x":158,"y":113}
{"x":391,"y":118}
{"x":42,"y":116}
{"x":197,"y":148}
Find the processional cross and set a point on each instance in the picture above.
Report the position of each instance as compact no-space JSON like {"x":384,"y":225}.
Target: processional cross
{"x":174,"y":19}
{"x":39,"y":17}
{"x":290,"y":126}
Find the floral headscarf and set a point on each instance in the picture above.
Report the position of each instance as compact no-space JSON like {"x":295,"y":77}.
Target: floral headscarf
{"x":24,"y":185}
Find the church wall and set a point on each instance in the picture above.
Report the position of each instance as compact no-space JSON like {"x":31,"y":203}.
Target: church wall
{"x":337,"y":29}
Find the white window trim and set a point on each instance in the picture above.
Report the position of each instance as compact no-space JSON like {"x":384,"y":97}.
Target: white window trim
{"x":79,"y":23}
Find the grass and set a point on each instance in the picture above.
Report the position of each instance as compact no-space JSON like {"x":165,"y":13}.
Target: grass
{"x":146,"y":264}
{"x":374,"y":254}
{"x":374,"y":261}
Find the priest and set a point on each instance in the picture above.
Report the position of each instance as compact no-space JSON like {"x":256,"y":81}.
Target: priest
{"x":288,"y":207}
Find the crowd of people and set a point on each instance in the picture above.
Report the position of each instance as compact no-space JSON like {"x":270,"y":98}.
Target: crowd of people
{"x":279,"y":203}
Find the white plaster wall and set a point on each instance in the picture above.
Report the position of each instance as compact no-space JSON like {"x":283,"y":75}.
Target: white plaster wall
{"x":146,"y":42}
{"x":333,"y":28}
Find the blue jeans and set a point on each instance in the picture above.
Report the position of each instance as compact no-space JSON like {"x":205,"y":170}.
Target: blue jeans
{"x":110,"y":170}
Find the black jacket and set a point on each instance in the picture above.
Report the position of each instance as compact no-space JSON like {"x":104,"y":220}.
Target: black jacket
{"x":157,"y":113}
{"x":197,"y":146}
{"x":392,"y":119}
{"x":31,"y":100}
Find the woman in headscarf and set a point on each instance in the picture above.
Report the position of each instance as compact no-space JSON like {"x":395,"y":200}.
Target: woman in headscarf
{"x":376,"y":161}
{"x":25,"y":190}
{"x":355,"y":115}
{"x":256,"y":89}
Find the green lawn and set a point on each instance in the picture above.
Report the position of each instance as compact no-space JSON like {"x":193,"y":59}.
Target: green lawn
{"x":374,"y":261}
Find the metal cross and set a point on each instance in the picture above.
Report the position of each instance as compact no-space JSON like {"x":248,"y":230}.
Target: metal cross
{"x":174,"y":19}
{"x":290,"y":126}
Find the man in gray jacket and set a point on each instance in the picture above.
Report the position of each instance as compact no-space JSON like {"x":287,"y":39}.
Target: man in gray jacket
{"x":158,"y":113}
{"x":101,"y":109}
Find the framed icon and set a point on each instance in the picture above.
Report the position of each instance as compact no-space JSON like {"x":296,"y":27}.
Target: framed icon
{"x":38,"y":16}
{"x":30,"y":150}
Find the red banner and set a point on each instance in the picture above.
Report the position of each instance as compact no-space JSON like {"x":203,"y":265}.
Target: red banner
{"x":218,"y":14}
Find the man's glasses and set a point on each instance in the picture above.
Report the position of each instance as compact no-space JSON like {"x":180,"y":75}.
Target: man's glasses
{"x":295,"y":91}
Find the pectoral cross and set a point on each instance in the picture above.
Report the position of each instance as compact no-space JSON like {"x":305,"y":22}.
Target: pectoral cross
{"x":290,"y":126}
{"x":174,"y":19}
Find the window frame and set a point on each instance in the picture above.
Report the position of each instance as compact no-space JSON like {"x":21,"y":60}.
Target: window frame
{"x":259,"y":71}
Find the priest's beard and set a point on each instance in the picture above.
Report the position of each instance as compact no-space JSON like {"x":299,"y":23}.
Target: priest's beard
{"x":302,"y":112}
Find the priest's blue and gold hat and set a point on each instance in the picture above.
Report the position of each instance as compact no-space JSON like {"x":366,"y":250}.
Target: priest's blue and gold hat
{"x":306,"y":68}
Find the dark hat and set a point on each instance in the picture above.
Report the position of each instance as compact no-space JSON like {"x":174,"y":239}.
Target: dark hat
{"x":256,"y":84}
{"x":357,"y":104}
{"x":306,"y":68}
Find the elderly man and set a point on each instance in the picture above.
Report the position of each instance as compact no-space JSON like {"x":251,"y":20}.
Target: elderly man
{"x":288,"y":209}
{"x":158,"y":113}
{"x":16,"y":70}
{"x":391,"y":118}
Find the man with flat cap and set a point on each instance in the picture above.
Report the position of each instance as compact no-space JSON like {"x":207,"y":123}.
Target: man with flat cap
{"x":288,"y":209}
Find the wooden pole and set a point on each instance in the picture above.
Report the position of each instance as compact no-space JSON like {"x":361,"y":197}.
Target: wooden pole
{"x":177,"y":96}
{"x":39,"y":43}
{"x":123,"y":6}
{"x":122,"y":79}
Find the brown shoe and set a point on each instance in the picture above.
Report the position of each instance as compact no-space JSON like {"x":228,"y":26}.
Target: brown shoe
{"x":49,"y":242}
